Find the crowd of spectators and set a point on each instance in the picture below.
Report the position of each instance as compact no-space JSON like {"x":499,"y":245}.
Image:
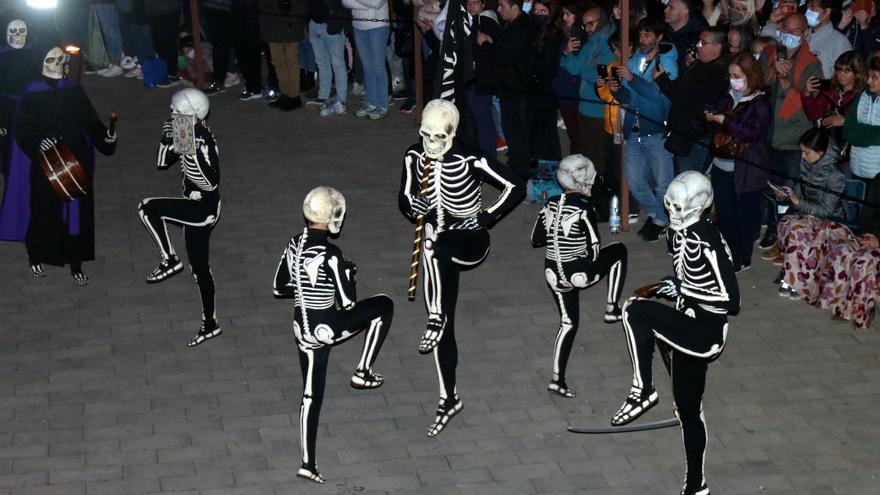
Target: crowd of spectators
{"x":771,"y":99}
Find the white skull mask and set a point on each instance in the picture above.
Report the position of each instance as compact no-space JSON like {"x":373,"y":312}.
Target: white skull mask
{"x":53,"y":64}
{"x":687,"y":196}
{"x":576,"y":172}
{"x":16,"y":34}
{"x":325,"y":205}
{"x":190,"y":102}
{"x":439,"y":123}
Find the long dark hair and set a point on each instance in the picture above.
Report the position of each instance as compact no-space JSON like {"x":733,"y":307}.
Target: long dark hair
{"x":816,"y":139}
{"x":553,"y":27}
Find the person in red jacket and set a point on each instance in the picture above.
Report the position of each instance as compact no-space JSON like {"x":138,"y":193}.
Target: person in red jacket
{"x":828,"y":107}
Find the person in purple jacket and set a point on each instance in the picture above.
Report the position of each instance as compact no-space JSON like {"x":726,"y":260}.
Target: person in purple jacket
{"x":744,"y":113}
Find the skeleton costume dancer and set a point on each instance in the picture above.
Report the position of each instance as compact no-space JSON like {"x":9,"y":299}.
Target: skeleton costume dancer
{"x":574,"y":260}
{"x":456,"y":235}
{"x":186,"y":137}
{"x":705,"y":291}
{"x":313,"y":272}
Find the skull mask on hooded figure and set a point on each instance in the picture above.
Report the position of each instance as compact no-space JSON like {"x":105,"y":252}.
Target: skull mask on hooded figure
{"x":576,"y":173}
{"x":16,"y":34}
{"x":325,"y":205}
{"x":687,"y":196}
{"x":439,"y":123}
{"x":53,"y":64}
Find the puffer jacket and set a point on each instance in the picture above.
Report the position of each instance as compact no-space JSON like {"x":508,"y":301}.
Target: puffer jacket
{"x":862,"y":130}
{"x":825,"y":173}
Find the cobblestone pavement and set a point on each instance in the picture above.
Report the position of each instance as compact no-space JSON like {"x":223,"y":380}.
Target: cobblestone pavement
{"x":100,"y":395}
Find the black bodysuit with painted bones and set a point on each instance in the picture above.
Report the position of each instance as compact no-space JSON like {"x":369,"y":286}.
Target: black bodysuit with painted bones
{"x":455,"y":238}
{"x":705,"y":291}
{"x":313,"y":272}
{"x":574,"y":260}
{"x":197,"y":212}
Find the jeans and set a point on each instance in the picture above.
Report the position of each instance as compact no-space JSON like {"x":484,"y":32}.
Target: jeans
{"x":496,"y":116}
{"x":481,"y":106}
{"x":371,"y":51}
{"x":646,"y":160}
{"x":330,"y":58}
{"x":237,"y":32}
{"x":109,"y":18}
{"x":163,"y":29}
{"x":136,"y":38}
{"x":739,"y":216}
{"x":695,"y":160}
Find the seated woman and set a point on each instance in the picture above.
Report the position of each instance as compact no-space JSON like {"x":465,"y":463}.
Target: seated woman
{"x":800,"y":246}
{"x":849,"y":283}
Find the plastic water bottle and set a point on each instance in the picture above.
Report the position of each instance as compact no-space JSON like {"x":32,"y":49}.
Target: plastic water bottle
{"x":614,"y":217}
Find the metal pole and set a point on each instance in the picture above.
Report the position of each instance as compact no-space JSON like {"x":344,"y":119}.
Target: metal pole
{"x":624,"y":54}
{"x":197,"y":43}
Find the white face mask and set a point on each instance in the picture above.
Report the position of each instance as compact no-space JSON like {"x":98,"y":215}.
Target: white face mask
{"x":738,"y":83}
{"x":812,"y":18}
{"x":790,"y":41}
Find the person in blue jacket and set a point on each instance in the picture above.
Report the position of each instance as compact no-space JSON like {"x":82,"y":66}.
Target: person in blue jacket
{"x":648,"y":166}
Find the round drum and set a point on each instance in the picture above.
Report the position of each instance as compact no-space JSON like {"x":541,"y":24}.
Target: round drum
{"x":64,"y":172}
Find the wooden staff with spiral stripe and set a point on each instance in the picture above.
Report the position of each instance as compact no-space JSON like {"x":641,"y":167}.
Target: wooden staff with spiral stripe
{"x":417,"y":242}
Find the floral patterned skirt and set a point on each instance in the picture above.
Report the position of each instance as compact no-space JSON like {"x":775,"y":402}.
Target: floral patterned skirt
{"x":823,"y":262}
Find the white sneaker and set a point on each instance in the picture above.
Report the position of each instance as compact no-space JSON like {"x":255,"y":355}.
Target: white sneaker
{"x":335,"y":107}
{"x":128,"y":63}
{"x":136,"y":72}
{"x":112,"y":71}
{"x":357,"y":89}
{"x":232,"y":79}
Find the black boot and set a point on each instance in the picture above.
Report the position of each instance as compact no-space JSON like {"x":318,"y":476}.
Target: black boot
{"x":306,"y":80}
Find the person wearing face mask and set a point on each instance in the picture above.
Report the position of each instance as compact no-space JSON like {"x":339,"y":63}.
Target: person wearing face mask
{"x":583,"y":60}
{"x":549,"y":41}
{"x":798,"y":243}
{"x":788,"y":68}
{"x":745,"y":114}
{"x":700,"y":84}
{"x":827,"y":42}
{"x":740,"y":13}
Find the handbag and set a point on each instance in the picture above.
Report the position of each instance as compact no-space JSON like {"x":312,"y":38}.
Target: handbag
{"x":725,"y":145}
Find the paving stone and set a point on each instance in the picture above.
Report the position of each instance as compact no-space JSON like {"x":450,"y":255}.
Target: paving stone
{"x":100,"y":394}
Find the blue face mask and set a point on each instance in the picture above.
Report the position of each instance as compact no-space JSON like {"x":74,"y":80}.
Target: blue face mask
{"x":812,"y":18}
{"x":527,"y":7}
{"x":789,"y":40}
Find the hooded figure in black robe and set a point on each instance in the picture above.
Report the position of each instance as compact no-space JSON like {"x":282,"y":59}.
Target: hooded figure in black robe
{"x":60,"y":232}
